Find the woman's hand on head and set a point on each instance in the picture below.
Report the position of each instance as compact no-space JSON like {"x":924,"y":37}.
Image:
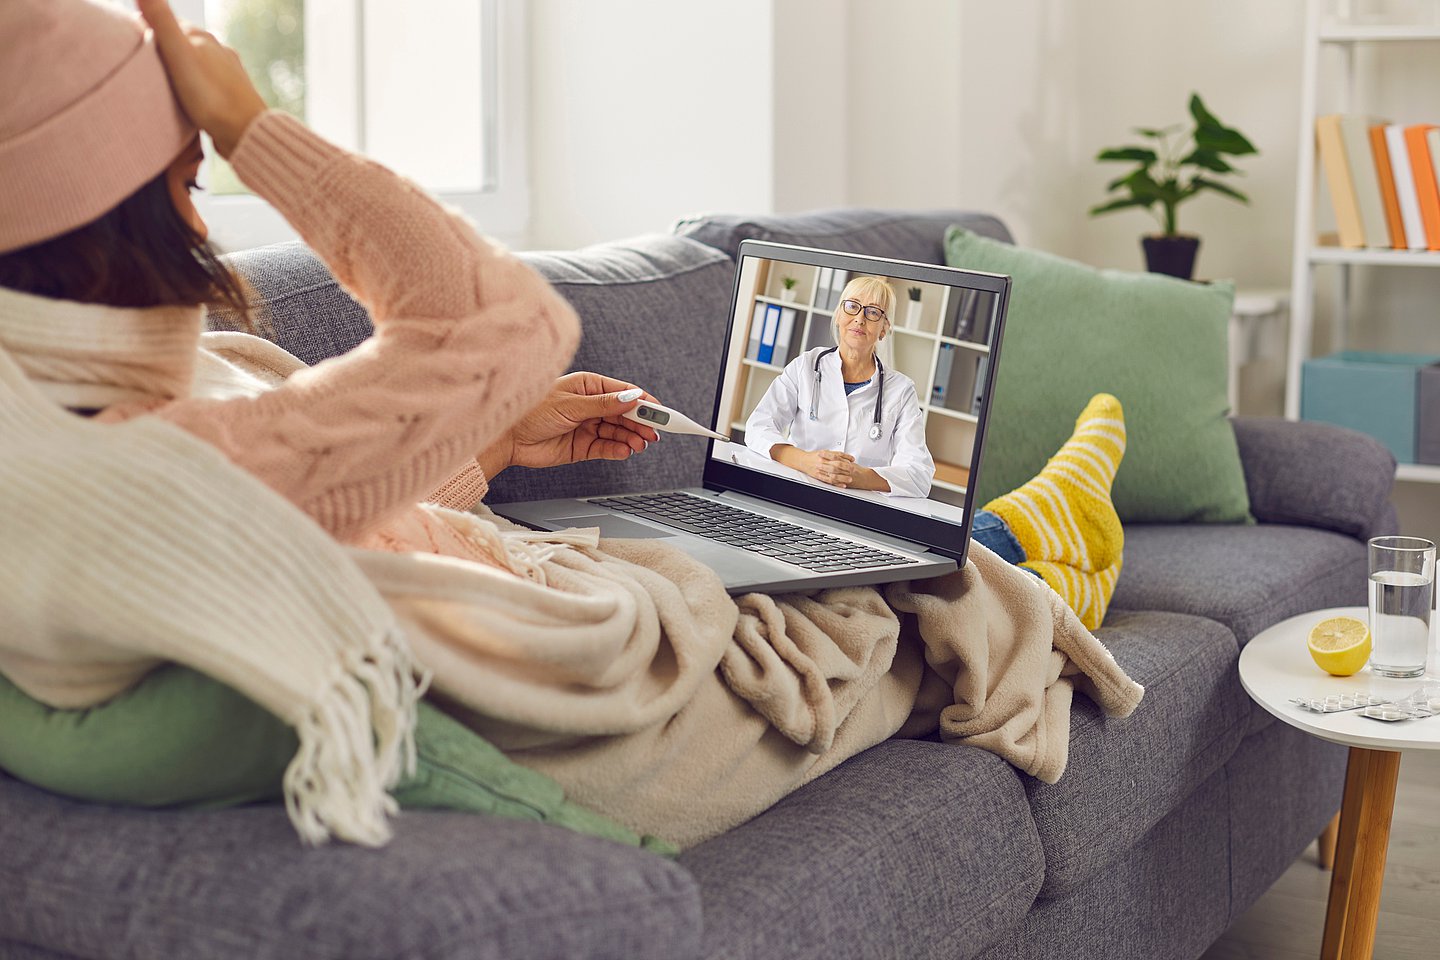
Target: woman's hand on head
{"x":208,"y":79}
{"x":582,"y":419}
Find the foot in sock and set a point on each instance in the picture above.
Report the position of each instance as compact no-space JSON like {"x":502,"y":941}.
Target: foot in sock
{"x":1064,"y":515}
{"x":1086,"y":592}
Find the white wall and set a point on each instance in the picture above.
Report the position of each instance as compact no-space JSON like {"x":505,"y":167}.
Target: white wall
{"x":643,"y":111}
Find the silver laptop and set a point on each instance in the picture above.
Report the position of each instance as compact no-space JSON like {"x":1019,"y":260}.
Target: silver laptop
{"x":917,"y":425}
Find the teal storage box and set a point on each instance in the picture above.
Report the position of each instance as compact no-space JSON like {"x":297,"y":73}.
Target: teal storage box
{"x":1375,"y":393}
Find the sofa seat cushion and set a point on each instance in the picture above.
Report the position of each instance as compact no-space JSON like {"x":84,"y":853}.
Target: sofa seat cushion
{"x":1246,"y":577}
{"x":911,"y":849}
{"x":97,"y":881}
{"x":901,"y":234}
{"x":1125,"y":776}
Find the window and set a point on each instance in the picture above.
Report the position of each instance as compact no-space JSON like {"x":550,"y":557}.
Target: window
{"x":431,"y":88}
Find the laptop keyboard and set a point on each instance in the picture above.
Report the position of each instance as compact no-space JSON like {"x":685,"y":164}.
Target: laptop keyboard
{"x":768,"y":537}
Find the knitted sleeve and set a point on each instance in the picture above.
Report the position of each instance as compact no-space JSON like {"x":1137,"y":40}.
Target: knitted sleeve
{"x":467,"y":339}
{"x":462,"y":491}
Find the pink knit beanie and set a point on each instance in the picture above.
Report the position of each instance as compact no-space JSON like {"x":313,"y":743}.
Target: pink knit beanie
{"x":86,"y":115}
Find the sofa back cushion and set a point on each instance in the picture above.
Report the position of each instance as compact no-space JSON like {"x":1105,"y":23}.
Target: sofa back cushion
{"x":652,"y":310}
{"x":899,"y":234}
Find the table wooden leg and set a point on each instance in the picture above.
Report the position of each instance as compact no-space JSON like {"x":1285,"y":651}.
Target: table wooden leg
{"x":1359,"y":868}
{"x":1325,"y":845}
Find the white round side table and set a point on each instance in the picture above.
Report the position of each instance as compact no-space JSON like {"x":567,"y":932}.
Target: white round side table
{"x":1276,"y":666}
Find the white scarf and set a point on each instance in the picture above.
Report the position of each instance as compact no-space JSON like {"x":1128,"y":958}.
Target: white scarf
{"x":125,"y":545}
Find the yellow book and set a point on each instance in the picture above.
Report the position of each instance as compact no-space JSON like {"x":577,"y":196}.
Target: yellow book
{"x":1330,"y":145}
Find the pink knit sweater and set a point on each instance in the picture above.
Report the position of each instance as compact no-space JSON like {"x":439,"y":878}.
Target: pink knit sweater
{"x":467,"y":339}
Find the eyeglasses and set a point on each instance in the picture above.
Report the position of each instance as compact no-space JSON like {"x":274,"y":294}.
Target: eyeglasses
{"x":873,"y":314}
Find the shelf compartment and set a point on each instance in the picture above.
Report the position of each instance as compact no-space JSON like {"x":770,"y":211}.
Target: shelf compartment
{"x":967,"y":344}
{"x":967,"y":417}
{"x":1394,"y":258}
{"x":1421,"y":472}
{"x":761,"y":366}
{"x":952,"y":476}
{"x":1374,"y":33}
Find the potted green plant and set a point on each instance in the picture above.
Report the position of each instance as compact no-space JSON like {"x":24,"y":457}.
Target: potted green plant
{"x":912,"y":313}
{"x":1182,"y":164}
{"x":787,"y":285}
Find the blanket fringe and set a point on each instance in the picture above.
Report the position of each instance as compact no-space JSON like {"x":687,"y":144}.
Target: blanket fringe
{"x":356,"y":742}
{"x":524,"y":553}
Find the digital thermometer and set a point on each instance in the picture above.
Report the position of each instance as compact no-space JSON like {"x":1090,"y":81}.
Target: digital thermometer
{"x":665,"y":420}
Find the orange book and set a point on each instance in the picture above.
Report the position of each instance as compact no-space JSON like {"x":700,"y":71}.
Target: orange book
{"x":1393,"y":223}
{"x":1426,"y":189}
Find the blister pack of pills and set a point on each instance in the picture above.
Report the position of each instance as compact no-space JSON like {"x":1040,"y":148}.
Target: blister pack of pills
{"x":1423,"y":703}
{"x":1338,"y":702}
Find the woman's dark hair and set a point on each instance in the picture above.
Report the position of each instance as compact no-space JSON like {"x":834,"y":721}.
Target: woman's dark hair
{"x":140,"y":254}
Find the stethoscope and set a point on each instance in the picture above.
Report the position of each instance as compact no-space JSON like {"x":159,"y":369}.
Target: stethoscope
{"x":879,"y":391}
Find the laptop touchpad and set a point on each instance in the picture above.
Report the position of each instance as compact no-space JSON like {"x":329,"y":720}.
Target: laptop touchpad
{"x":613,"y":526}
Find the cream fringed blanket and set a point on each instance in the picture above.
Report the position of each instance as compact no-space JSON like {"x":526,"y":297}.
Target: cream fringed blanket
{"x":634,"y":680}
{"x":120,"y":549}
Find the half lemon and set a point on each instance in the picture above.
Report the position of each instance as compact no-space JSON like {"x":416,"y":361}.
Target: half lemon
{"x":1340,"y":645}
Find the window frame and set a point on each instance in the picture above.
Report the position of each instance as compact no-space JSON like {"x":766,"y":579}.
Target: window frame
{"x":501,"y":207}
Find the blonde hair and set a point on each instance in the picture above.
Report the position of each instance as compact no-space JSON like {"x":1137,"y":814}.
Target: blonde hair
{"x":876,"y":290}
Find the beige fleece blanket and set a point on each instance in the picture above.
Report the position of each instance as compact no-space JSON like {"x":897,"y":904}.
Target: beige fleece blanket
{"x":653,"y":697}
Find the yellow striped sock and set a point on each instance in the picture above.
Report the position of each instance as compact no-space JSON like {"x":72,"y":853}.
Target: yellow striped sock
{"x":1064,"y":515}
{"x":1086,"y":592}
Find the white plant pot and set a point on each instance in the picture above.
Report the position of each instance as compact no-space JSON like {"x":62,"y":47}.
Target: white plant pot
{"x":787,"y":295}
{"x":912,"y":315}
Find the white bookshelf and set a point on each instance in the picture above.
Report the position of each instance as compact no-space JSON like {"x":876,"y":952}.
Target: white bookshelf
{"x":913,"y":350}
{"x":1324,"y":31}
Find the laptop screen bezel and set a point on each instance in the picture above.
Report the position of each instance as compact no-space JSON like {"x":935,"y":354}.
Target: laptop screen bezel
{"x":936,"y":534}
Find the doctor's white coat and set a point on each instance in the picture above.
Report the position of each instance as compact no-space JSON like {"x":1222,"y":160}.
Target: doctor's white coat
{"x":899,"y":454}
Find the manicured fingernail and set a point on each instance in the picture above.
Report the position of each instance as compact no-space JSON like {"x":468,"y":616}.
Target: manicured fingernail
{"x":634,"y":393}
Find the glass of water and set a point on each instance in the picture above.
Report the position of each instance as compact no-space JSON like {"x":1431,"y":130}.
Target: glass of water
{"x":1402,"y":596}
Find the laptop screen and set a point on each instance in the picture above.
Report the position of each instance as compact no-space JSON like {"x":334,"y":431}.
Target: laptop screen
{"x":858,"y":388}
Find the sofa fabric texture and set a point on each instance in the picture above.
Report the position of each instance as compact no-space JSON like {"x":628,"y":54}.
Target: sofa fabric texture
{"x":1194,"y":715}
{"x":1316,"y":475}
{"x":1163,"y":828}
{"x":235,"y":883}
{"x":870,"y":884}
{"x":1194,"y":569}
{"x":898,"y":234}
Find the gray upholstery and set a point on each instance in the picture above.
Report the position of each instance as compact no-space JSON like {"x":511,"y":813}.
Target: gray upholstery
{"x":1193,"y":716}
{"x":1168,"y":897}
{"x":1164,"y":827}
{"x":236,"y":885}
{"x":1316,"y":475}
{"x":301,"y":306}
{"x":875,"y":882}
{"x":1285,"y":786}
{"x":1245,"y":577}
{"x":901,"y":234}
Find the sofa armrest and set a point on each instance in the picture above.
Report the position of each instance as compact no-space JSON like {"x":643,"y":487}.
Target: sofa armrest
{"x":1316,"y":475}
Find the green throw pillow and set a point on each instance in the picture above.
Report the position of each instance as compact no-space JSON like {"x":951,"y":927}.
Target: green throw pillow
{"x":1156,"y":343}
{"x":180,"y":739}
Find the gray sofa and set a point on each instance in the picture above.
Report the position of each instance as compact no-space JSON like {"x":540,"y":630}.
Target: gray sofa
{"x":1163,"y":830}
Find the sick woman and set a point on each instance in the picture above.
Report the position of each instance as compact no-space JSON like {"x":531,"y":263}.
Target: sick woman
{"x":620,"y":668}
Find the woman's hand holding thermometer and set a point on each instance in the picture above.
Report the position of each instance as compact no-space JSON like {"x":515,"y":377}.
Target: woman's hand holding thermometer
{"x":662,"y":418}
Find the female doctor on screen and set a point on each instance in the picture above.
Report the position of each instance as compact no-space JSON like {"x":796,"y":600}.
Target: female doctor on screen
{"x":838,"y":414}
